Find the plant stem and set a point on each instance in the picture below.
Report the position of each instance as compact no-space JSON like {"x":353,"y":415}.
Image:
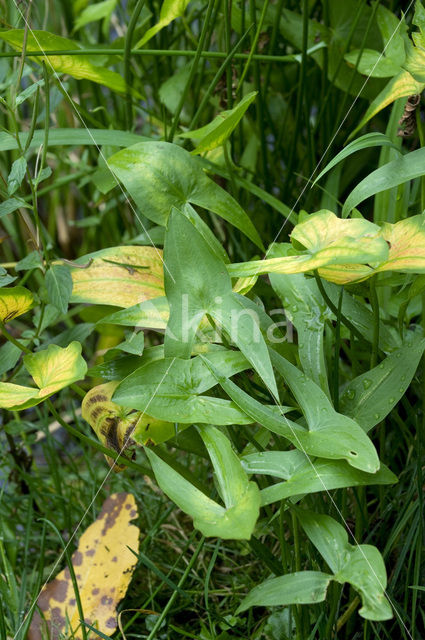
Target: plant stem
{"x":127,"y":67}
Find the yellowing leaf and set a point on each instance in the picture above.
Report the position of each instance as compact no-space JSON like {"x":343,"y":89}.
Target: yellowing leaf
{"x":119,"y":276}
{"x":14,"y":396}
{"x":14,"y":301}
{"x":54,"y":368}
{"x":118,"y":429}
{"x":170,"y":10}
{"x":103,"y":565}
{"x":406,"y":240}
{"x":339,"y":248}
{"x":78,"y":66}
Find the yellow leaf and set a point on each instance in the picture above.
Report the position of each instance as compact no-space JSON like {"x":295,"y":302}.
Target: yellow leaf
{"x":14,"y":396}
{"x":54,"y":368}
{"x":14,"y":301}
{"x":119,"y":276}
{"x":115,"y":427}
{"x":103,"y":565}
{"x":406,"y":240}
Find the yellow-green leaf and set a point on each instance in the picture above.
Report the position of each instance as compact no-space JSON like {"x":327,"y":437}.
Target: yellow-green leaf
{"x":14,"y":301}
{"x":170,"y":10}
{"x":103,"y":564}
{"x":119,"y":276}
{"x":78,"y":66}
{"x":401,"y":86}
{"x":116,"y":427}
{"x":218,"y":131}
{"x":339,"y":248}
{"x":55,"y":368}
{"x":406,"y":240}
{"x":15,"y":396}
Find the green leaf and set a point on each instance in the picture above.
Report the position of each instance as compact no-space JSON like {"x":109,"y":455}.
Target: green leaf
{"x":197,"y":283}
{"x":94,"y":12}
{"x":401,"y":86}
{"x":12,"y":204}
{"x":119,"y":276}
{"x":160,"y":175}
{"x":361,"y":565}
{"x":16,"y":175}
{"x":71,"y":137}
{"x":170,"y":10}
{"x":373,"y":64}
{"x":219,"y":130}
{"x":370,"y":397}
{"x":55,"y":368}
{"x":340,"y":249}
{"x":150,"y":314}
{"x":59,"y":286}
{"x":364,"y":142}
{"x":14,"y":302}
{"x":305,"y":475}
{"x":392,"y":174}
{"x":242,"y":498}
{"x":351,"y":443}
{"x":302,"y":587}
{"x":78,"y":66}
{"x":171,"y":389}
{"x":304,"y":307}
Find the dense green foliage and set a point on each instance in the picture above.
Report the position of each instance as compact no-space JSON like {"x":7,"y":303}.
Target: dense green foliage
{"x":213,"y":273}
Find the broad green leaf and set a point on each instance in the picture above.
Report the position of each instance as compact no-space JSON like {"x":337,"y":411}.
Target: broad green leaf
{"x":364,"y":142}
{"x":302,"y":587}
{"x":12,"y":204}
{"x":160,"y":175}
{"x":94,"y":12}
{"x":119,"y":276}
{"x":16,"y":175}
{"x":238,"y":518}
{"x":197,"y":283}
{"x":323,"y":420}
{"x":402,"y":85}
{"x":350,"y":444}
{"x":326,"y":241}
{"x":9,"y":356}
{"x":71,"y":137}
{"x":392,"y":174}
{"x":78,"y":66}
{"x":150,"y":314}
{"x":59,"y":286}
{"x":219,"y":130}
{"x":305,"y":475}
{"x":118,"y":429}
{"x":406,"y":240}
{"x":14,"y":302}
{"x":305,"y":308}
{"x":361,"y":565}
{"x":54,"y":368}
{"x":171,"y":389}
{"x":373,"y":64}
{"x":371,"y":396}
{"x":170,"y":10}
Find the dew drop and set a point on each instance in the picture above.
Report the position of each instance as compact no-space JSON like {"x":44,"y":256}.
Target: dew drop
{"x":367,"y":382}
{"x":377,"y":416}
{"x":391,"y":400}
{"x":294,"y":308}
{"x":350,"y":393}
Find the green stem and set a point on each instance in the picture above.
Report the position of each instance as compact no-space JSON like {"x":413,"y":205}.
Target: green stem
{"x":193,"y":69}
{"x":181,"y":582}
{"x":375,"y":310}
{"x":127,"y":67}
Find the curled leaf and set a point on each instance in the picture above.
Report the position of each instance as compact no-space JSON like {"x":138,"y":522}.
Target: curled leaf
{"x":14,"y":302}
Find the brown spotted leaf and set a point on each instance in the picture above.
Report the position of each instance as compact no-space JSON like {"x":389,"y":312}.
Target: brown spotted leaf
{"x":118,"y":429}
{"x":119,"y":276}
{"x":103,"y":564}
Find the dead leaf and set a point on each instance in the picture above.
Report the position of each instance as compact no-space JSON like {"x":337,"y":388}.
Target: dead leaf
{"x":103,"y":565}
